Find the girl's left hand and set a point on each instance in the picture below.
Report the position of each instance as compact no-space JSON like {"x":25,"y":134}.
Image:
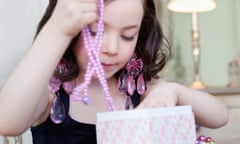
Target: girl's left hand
{"x":159,"y":94}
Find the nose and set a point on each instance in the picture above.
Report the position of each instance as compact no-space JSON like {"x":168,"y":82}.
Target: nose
{"x":110,"y":44}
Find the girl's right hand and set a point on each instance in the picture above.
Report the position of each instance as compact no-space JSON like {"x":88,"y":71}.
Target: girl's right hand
{"x":70,"y":16}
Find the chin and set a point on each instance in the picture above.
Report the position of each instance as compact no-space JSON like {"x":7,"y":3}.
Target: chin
{"x":106,"y":76}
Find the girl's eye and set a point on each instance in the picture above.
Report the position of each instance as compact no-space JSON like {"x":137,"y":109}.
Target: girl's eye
{"x":127,"y":38}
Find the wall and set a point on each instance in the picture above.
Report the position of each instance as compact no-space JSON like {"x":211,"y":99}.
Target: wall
{"x":18,"y":20}
{"x":237,"y":12}
{"x":218,"y":42}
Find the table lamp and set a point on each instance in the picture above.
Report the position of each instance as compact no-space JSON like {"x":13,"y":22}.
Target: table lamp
{"x":193,"y":7}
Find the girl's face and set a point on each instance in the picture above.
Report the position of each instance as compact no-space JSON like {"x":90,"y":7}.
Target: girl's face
{"x":122,"y":22}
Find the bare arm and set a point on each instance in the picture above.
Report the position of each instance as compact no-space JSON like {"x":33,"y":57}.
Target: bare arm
{"x":208,"y":110}
{"x":24,"y":98}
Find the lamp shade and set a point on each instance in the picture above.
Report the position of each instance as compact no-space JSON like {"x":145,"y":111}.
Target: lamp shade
{"x":189,"y":6}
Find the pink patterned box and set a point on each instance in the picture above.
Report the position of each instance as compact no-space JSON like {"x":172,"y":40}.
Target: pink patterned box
{"x":171,"y":125}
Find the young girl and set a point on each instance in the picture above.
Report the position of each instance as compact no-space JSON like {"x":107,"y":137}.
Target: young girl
{"x":132,"y":51}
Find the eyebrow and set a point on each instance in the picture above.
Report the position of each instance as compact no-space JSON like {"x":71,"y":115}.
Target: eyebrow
{"x":131,"y":27}
{"x":127,"y":27}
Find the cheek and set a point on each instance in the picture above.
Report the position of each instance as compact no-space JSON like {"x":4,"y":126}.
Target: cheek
{"x":130,"y":47}
{"x":80,"y":53}
{"x":127,"y":51}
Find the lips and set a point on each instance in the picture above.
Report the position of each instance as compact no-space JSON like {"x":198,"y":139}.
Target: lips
{"x":107,"y":66}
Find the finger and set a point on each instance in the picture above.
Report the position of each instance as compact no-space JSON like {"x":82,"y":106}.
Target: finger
{"x":83,"y":14}
{"x":142,"y":104}
{"x":89,"y":13}
{"x":88,"y":7}
{"x":170,"y":104}
{"x":147,"y":104}
{"x":153,"y":105}
{"x":89,"y":18}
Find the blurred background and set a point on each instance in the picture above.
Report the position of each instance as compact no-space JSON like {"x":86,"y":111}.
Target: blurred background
{"x":219,"y":42}
{"x":219,"y":38}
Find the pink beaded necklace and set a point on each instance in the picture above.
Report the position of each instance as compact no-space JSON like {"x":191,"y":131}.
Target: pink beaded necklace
{"x":93,"y":46}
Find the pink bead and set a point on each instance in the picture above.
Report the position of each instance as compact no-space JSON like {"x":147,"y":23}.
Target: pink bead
{"x":208,"y":139}
{"x":131,"y":85}
{"x":141,"y":88}
{"x":94,"y":65}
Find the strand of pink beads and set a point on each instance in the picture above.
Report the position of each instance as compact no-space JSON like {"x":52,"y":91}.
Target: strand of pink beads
{"x":93,"y":46}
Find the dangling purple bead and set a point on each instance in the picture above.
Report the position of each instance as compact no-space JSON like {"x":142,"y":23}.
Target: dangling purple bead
{"x":86,"y":100}
{"x":128,"y":103}
{"x":131,"y":85}
{"x":57,"y":113}
{"x":141,"y":87}
{"x":122,"y":83}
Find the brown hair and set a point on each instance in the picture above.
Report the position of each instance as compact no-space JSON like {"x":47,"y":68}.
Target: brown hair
{"x":152,"y":46}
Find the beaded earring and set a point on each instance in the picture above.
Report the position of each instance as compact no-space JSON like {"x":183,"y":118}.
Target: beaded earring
{"x":57,"y":113}
{"x":204,"y":140}
{"x":126,"y":82}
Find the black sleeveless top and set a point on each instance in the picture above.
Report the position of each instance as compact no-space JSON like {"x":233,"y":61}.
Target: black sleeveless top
{"x":70,"y":131}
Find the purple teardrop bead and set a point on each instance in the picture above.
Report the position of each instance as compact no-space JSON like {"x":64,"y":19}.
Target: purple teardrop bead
{"x":122,"y":83}
{"x":57,"y":113}
{"x":141,"y":88}
{"x":131,"y":85}
{"x":128,"y":103}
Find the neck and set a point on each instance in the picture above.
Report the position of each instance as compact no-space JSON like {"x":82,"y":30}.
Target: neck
{"x":94,"y":80}
{"x":112,"y":83}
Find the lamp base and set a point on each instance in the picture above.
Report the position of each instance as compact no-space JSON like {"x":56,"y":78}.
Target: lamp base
{"x":197,"y":84}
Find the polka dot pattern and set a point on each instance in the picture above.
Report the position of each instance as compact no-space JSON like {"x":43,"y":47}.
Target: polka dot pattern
{"x":153,"y":126}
